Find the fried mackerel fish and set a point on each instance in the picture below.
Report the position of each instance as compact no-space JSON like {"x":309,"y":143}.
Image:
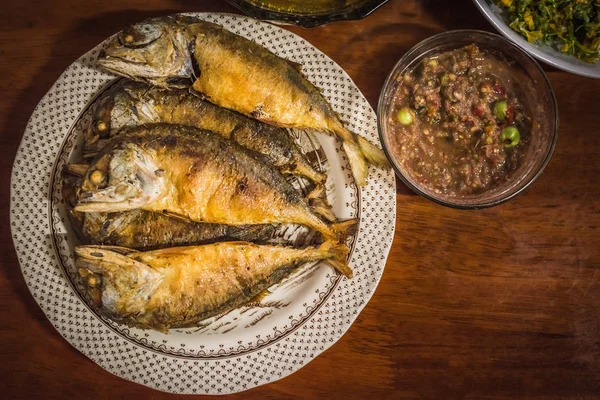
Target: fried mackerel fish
{"x":177,"y":287}
{"x":145,"y":230}
{"x":134,"y":103}
{"x":197,"y":175}
{"x":234,"y":73}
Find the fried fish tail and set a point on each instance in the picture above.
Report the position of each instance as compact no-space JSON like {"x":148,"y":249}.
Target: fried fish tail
{"x":360,"y":153}
{"x":372,"y":153}
{"x":337,"y":256}
{"x":303,"y":169}
{"x":358,"y":162}
{"x":317,"y":199}
{"x":321,"y":207}
{"x":343,"y":230}
{"x":316,"y":192}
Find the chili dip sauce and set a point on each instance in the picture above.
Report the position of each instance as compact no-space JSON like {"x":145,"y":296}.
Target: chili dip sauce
{"x":458,"y":126}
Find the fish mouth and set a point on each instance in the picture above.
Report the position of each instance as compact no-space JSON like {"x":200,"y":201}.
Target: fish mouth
{"x":117,"y":65}
{"x":140,"y":72}
{"x":124,"y":61}
{"x":106,"y":59}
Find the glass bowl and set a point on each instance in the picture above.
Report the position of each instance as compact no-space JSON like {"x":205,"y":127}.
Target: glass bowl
{"x":539,"y":100}
{"x":307,"y":13}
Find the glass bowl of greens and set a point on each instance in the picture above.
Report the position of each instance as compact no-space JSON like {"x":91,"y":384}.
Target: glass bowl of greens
{"x":561,"y":33}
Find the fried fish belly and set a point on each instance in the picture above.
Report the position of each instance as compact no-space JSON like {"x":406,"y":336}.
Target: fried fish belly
{"x":232,"y":72}
{"x":177,"y":287}
{"x":134,"y":103}
{"x":146,"y":230}
{"x":197,"y":175}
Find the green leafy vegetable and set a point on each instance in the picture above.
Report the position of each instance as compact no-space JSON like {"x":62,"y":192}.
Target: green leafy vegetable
{"x":572,"y":26}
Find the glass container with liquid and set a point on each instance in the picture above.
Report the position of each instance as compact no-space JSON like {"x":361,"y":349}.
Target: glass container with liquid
{"x":307,"y":13}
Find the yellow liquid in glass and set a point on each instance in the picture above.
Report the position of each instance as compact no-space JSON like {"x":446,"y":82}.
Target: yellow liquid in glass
{"x":304,"y":7}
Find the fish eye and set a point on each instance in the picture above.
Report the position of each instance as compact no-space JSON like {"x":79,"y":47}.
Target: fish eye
{"x":139,"y":35}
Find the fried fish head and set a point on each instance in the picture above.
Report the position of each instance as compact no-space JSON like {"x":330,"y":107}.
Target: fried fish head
{"x":119,"y":283}
{"x":122,"y":179}
{"x":153,"y":51}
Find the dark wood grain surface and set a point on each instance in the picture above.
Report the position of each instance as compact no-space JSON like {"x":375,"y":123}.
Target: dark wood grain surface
{"x":493,"y":304}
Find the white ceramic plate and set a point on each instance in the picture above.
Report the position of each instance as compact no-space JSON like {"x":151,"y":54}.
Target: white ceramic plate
{"x":543,"y":53}
{"x":253,"y":345}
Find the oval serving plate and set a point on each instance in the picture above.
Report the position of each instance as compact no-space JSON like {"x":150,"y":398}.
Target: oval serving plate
{"x":255,"y":344}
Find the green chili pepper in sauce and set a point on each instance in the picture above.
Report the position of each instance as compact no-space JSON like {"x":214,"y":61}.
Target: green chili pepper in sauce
{"x":500,"y":110}
{"x":405,"y":116}
{"x":510,"y":136}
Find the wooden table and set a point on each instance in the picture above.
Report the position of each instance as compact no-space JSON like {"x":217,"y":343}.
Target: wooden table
{"x":499,"y":303}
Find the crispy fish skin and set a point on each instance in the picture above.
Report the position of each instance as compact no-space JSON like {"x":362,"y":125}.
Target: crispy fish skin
{"x":196,"y":175}
{"x":180,"y":286}
{"x":145,"y":230}
{"x":135,"y":103}
{"x":232,"y":72}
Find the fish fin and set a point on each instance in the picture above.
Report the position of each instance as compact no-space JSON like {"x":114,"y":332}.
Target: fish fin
{"x":295,"y":65}
{"x":343,"y":230}
{"x":318,"y":201}
{"x":94,"y":147}
{"x":359,"y":151}
{"x":259,"y":297}
{"x":163,"y":82}
{"x":323,"y":209}
{"x":252,"y":233}
{"x":77,"y":170}
{"x":303,"y":169}
{"x":176,"y":216}
{"x":358,"y":162}
{"x":198,"y":94}
{"x":372,"y":153}
{"x":89,"y":156}
{"x":125,"y":251}
{"x":316,"y":192}
{"x":356,"y":158}
{"x":337,"y":256}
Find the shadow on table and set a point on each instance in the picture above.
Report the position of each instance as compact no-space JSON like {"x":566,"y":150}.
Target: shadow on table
{"x":456,"y":15}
